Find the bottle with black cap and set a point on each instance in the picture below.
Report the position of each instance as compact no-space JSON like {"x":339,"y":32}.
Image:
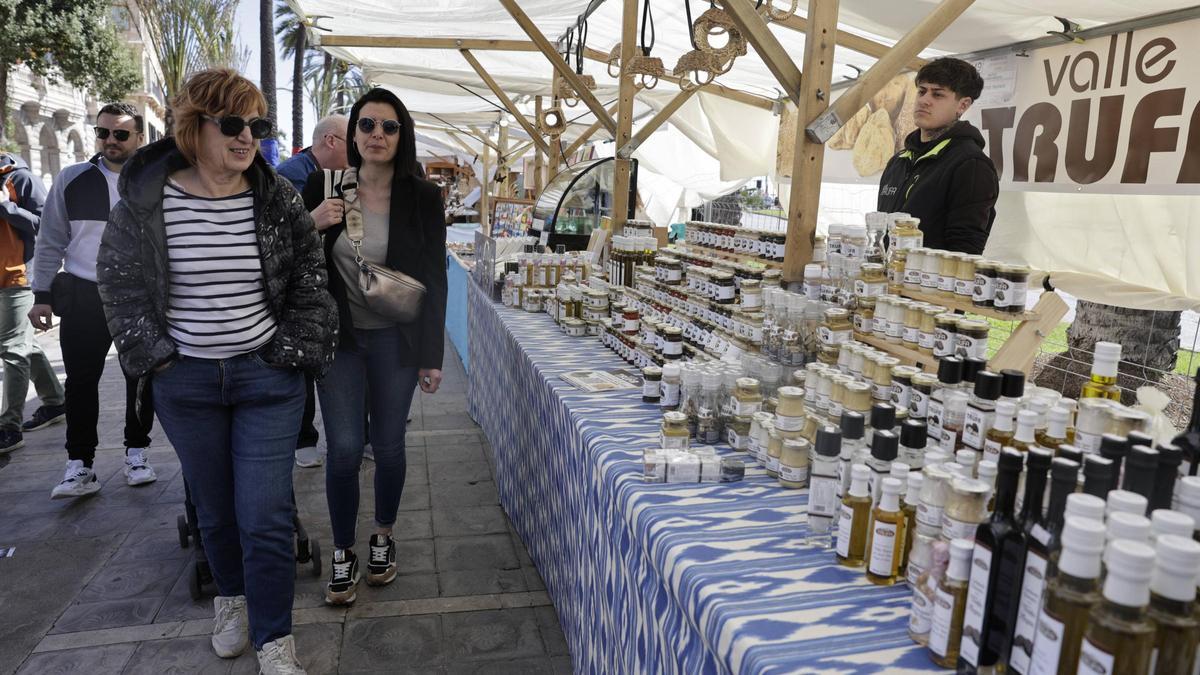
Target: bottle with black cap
{"x":883,"y":417}
{"x":885,"y":446}
{"x":1189,"y":440}
{"x":1139,"y":438}
{"x":1097,"y":476}
{"x":1072,"y":453}
{"x":823,"y":501}
{"x":1169,"y":459}
{"x":1140,"y":466}
{"x":913,"y":440}
{"x":949,"y":379}
{"x":852,"y":431}
{"x":1115,"y":448}
{"x":1012,"y":386}
{"x":975,"y":650}
{"x":981,"y":412}
{"x":970,"y":373}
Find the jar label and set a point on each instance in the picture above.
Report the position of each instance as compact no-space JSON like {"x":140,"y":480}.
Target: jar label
{"x":939,"y":628}
{"x":901,"y":395}
{"x":863,"y":324}
{"x":822,"y":496}
{"x":881,"y":392}
{"x":851,"y":250}
{"x":933,"y":418}
{"x":836,"y":409}
{"x":913,"y":457}
{"x":812,"y":290}
{"x":793,"y":474}
{"x":1047,"y":645}
{"x":966,"y":346}
{"x":845,"y":525}
{"x":833,"y":337}
{"x":670,"y":395}
{"x":918,"y":404}
{"x":929,"y":515}
{"x":895,"y":329}
{"x":1027,"y":614}
{"x":736,"y":440}
{"x":883,"y":549}
{"x":1002,"y":294}
{"x":786,"y":423}
{"x":823,"y":402}
{"x":946,"y":283}
{"x":964,"y":287}
{"x":953,"y":528}
{"x":1087,"y":443}
{"x":914,"y":570}
{"x":650,"y":389}
{"x":725,"y":292}
{"x":674,"y":442}
{"x":865,"y":289}
{"x":943,"y":342}
{"x":673,"y":348}
{"x":925,"y":340}
{"x":928,"y":280}
{"x":978,"y":422}
{"x":912,"y":335}
{"x":977,"y":593}
{"x":751,"y":300}
{"x":905,"y":242}
{"x":772,"y":464}
{"x":1093,"y":659}
{"x":984,"y":288}
{"x":912,"y":277}
{"x":746,"y":408}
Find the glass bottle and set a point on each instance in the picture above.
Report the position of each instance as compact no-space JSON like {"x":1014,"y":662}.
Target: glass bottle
{"x":671,"y":383}
{"x":794,"y":460}
{"x":1140,"y":467}
{"x":949,"y":377}
{"x":1012,"y":386}
{"x":909,"y":504}
{"x":852,"y":521}
{"x":885,"y":446}
{"x":976,"y":650}
{"x":690,"y":403}
{"x":707,"y":430}
{"x":1103,"y":383}
{"x":920,"y":618}
{"x":1172,"y":605}
{"x":1097,"y":476}
{"x":1055,"y":433}
{"x":823,"y":496}
{"x":1169,"y":459}
{"x":950,"y":606}
{"x":852,"y":432}
{"x":981,"y":411}
{"x":1070,"y":596}
{"x":1024,"y":437}
{"x":913,"y":440}
{"x":885,"y":540}
{"x":1120,"y":634}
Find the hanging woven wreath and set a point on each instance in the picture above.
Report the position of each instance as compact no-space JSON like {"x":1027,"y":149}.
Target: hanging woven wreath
{"x":696,"y":68}
{"x":772,"y":13}
{"x":714,"y":23}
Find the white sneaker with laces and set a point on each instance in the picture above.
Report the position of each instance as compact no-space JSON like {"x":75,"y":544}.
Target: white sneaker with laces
{"x":278,"y":657}
{"x":368,"y":453}
{"x":230,"y":634}
{"x":78,"y":481}
{"x":137,"y":469}
{"x":309,"y":457}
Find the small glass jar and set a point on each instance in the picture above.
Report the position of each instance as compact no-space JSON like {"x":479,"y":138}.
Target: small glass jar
{"x":837,"y":395}
{"x":945,"y":334}
{"x":966,"y":508}
{"x":897,"y":263}
{"x":1123,"y":421}
{"x":747,"y":397}
{"x":1091,"y":422}
{"x":931,"y":267}
{"x":964,"y":280}
{"x":794,"y":463}
{"x":902,"y":377}
{"x":864,"y":317}
{"x":725,"y":290}
{"x":948,"y":273}
{"x":1012,"y":287}
{"x":923,"y":385}
{"x":881,"y":380}
{"x":895,"y":326}
{"x":672,"y":272}
{"x":574,"y":327}
{"x":913,"y":264}
{"x":927,"y":328}
{"x":673,"y":347}
{"x":616,"y":311}
{"x":907,"y":234}
{"x":858,"y":398}
{"x":910,"y":336}
{"x":674,"y":432}
{"x":532,"y":301}
{"x":872,"y":282}
{"x":971,"y":339}
{"x":652,"y":384}
{"x":632,"y":319}
{"x":761,"y":425}
{"x":789,"y":402}
{"x":835,"y":328}
{"x":879,"y":320}
{"x":774,"y":451}
{"x":751,"y":294}
{"x":737,"y":432}
{"x":984,"y":289}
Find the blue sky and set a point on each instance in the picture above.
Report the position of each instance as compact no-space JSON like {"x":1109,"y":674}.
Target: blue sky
{"x":247,"y":24}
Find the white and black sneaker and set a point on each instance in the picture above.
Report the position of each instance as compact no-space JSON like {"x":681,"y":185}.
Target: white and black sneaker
{"x":78,"y":481}
{"x":137,"y":468}
{"x":381,"y":568}
{"x":343,"y":579}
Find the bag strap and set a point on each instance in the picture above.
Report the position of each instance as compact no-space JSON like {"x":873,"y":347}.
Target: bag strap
{"x":347,"y":182}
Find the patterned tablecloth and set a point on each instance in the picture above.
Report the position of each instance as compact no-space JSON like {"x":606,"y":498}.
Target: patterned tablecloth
{"x":698,"y":578}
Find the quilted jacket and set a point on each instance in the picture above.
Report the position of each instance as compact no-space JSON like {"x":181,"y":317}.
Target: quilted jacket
{"x":132,"y":268}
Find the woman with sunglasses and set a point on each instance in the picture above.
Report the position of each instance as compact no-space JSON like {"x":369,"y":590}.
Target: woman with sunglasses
{"x":403,"y":229}
{"x":213,"y":281}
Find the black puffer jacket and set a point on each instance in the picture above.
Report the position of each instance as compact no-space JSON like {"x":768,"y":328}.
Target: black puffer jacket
{"x":132,"y":268}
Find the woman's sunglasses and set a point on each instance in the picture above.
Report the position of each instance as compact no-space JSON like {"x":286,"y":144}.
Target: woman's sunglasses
{"x":367,"y":125}
{"x":232,"y":125}
{"x":121,"y":135}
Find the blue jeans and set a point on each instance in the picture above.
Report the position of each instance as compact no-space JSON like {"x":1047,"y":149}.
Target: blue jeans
{"x":374,"y":362}
{"x":233,"y":423}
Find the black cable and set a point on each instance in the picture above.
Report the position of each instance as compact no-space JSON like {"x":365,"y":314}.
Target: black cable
{"x":482,"y":98}
{"x":583,"y":29}
{"x":648,"y":18}
{"x":461,"y":131}
{"x":687,"y":8}
{"x":589,"y":112}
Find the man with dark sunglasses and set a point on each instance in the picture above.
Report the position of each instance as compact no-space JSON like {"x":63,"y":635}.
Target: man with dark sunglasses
{"x":75,"y":217}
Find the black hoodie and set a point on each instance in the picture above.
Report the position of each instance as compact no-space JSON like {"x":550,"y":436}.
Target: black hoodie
{"x":949,"y":183}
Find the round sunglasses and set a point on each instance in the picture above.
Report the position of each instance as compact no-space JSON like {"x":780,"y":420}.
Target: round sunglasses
{"x":121,"y":135}
{"x":232,"y":125}
{"x":367,"y":125}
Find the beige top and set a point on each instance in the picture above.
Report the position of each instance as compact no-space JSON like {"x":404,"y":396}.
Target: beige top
{"x":374,"y":250}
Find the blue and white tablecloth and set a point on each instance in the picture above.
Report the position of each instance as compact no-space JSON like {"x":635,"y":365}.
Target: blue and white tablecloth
{"x":699,"y":578}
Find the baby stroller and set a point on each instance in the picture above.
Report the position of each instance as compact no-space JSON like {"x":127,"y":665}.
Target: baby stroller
{"x":200,"y":583}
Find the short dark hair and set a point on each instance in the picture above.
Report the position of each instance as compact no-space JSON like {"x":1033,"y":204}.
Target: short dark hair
{"x":406,"y":147}
{"x":954,"y":74}
{"x":123,"y":110}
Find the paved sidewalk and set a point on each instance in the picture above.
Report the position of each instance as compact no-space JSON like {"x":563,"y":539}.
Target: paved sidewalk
{"x":100,"y":585}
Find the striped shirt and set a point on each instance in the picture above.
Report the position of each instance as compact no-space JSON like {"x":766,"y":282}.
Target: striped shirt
{"x":218,"y":304}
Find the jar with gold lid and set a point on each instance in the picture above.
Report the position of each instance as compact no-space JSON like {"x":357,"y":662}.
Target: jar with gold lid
{"x":747,"y":397}
{"x":774,"y":450}
{"x":789,"y":401}
{"x":964,"y":281}
{"x":837,"y":395}
{"x":948,"y":273}
{"x":966,"y":508}
{"x":971,"y":339}
{"x":864,"y":317}
{"x":794,"y":463}
{"x":926,"y":334}
{"x":835,"y":328}
{"x":907,"y":234}
{"x":944,"y":334}
{"x":881,"y":380}
{"x":897,"y":263}
{"x":895,"y":327}
{"x":902,"y":385}
{"x":911,"y":333}
{"x":879,"y":320}
{"x":858,"y":398}
{"x":913,"y":264}
{"x":931,"y":268}
{"x":1012,"y":287}
{"x":872,"y":281}
{"x":674,"y":432}
{"x":984,"y":289}
{"x":737,"y":432}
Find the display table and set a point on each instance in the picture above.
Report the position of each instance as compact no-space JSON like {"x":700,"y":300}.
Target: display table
{"x":694,"y":578}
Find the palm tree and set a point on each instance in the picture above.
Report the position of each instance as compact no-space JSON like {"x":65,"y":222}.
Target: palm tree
{"x":333,"y":85}
{"x":266,"y":55}
{"x":293,"y":38}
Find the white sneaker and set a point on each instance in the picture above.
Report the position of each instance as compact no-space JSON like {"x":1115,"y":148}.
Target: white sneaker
{"x":78,"y":481}
{"x":368,"y":453}
{"x":309,"y":457}
{"x":230,"y":634}
{"x":137,"y":468}
{"x":278,"y":657}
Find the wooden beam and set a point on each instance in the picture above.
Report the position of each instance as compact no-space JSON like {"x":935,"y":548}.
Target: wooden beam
{"x":769,"y":49}
{"x":587,"y":133}
{"x":623,"y":166}
{"x":539,"y":157}
{"x":556,"y":147}
{"x":711,"y":88}
{"x":502,"y":161}
{"x":655,"y":122}
{"x":485,"y":187}
{"x":389,"y":42}
{"x":463,"y":144}
{"x":560,"y":66}
{"x":850,"y":41}
{"x":504,"y":99}
{"x":483,"y":138}
{"x":809,"y":160}
{"x":888,"y":66}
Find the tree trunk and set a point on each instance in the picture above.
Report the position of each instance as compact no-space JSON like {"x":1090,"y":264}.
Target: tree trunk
{"x":298,"y":91}
{"x":266,"y":48}
{"x":1149,"y":343}
{"x":3,"y":104}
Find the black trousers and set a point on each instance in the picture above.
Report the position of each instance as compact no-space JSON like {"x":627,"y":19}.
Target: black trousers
{"x":85,"y":341}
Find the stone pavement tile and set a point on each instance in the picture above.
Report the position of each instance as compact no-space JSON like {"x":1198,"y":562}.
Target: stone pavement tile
{"x":533,"y":579}
{"x":107,"y":614}
{"x":88,"y":660}
{"x":562,"y":665}
{"x":452,"y":495}
{"x":531,"y":666}
{"x":116,"y":490}
{"x":415,"y":498}
{"x":458,"y":473}
{"x":15,"y":480}
{"x":411,"y":525}
{"x":446,"y":421}
{"x":416,"y":556}
{"x":469,"y":520}
{"x":181,"y":655}
{"x":16,"y":529}
{"x":469,"y":434}
{"x":403,"y":587}
{"x":318,"y":646}
{"x":466,"y":452}
{"x":178,"y":604}
{"x":479,"y":582}
{"x":522,"y":552}
{"x":491,"y":551}
{"x":144,"y":545}
{"x":491,"y":635}
{"x":551,"y":630}
{"x":119,"y":581}
{"x":388,"y":643}
{"x":111,"y":518}
{"x":172,"y":493}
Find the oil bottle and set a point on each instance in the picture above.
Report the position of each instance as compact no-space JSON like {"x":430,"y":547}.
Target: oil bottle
{"x":920,"y":619}
{"x":852,"y":523}
{"x":1001,"y":433}
{"x":1055,"y":433}
{"x":1172,"y":605}
{"x":1104,"y":373}
{"x":949,"y":606}
{"x":885,"y":542}
{"x":912,"y":498}
{"x":1070,"y":596}
{"x":1120,"y":634}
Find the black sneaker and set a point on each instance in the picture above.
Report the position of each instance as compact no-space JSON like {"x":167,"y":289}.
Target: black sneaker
{"x":10,"y":439}
{"x":45,"y":416}
{"x":343,"y":579}
{"x":381,"y":568}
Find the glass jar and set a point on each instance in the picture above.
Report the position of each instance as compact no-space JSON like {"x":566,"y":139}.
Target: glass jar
{"x":574,"y":327}
{"x":532,"y":301}
{"x":864,"y":317}
{"x":971,"y":339}
{"x":1123,"y":421}
{"x":672,"y":272}
{"x":879,"y":320}
{"x":616,"y":311}
{"x":985,"y":283}
{"x":652,"y":384}
{"x":774,"y":450}
{"x":673,"y":347}
{"x":747,"y":397}
{"x":923,"y":385}
{"x":737,"y":432}
{"x":674,"y":432}
{"x":926,"y":331}
{"x":794,"y":463}
{"x":632,"y":319}
{"x":902,"y":377}
{"x":725,"y":290}
{"x":1012,"y":287}
{"x":895,"y":326}
{"x":789,"y":402}
{"x":858,"y":398}
{"x":1091,"y":422}
{"x":948,"y":273}
{"x":837,"y":395}
{"x":835,"y":328}
{"x":872,"y":282}
{"x":931,"y":267}
{"x":913,"y":264}
{"x":907,"y":234}
{"x":944,"y":334}
{"x":964,"y":280}
{"x":966,"y":508}
{"x":761,"y":425}
{"x":881,"y":378}
{"x":896,"y":265}
{"x":910,"y":336}
{"x":751,"y":294}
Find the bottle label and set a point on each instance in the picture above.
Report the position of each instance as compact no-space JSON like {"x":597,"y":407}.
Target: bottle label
{"x":918,"y":404}
{"x":823,"y":402}
{"x":966,"y":347}
{"x":650,"y":389}
{"x":1087,"y":443}
{"x":822,"y":496}
{"x":746,"y":408}
{"x":933,"y":418}
{"x":883,"y":548}
{"x":1047,"y":646}
{"x":939,"y":628}
{"x":991,"y":450}
{"x":833,"y":337}
{"x":952,"y":529}
{"x":736,"y":440}
{"x":975,"y":427}
{"x":864,"y":289}
{"x":901,"y":395}
{"x":835,"y":409}
{"x":929,"y":515}
{"x":862,"y":324}
{"x":674,"y":442}
{"x":914,"y":570}
{"x":977,"y":593}
{"x":921,"y":617}
{"x":794,"y":474}
{"x":845,"y":523}
{"x":1094,"y":660}
{"x":1027,"y":614}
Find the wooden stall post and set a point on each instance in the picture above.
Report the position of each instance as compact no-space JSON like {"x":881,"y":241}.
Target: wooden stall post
{"x":556,"y":146}
{"x":502,"y":161}
{"x":770,"y":50}
{"x":539,"y":157}
{"x":485,"y":187}
{"x":627,"y":90}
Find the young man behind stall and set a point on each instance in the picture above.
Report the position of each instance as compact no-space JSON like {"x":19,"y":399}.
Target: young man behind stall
{"x":943,"y":176}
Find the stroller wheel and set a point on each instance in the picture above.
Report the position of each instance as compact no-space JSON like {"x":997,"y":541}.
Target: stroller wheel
{"x":194,"y":583}
{"x":315,"y":548}
{"x":303,"y":551}
{"x":181,"y":524}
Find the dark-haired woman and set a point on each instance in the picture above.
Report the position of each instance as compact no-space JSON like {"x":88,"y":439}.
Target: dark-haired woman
{"x":402,"y":216}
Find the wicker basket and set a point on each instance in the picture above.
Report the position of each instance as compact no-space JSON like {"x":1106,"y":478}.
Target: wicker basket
{"x":696,"y":68}
{"x":646,"y":70}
